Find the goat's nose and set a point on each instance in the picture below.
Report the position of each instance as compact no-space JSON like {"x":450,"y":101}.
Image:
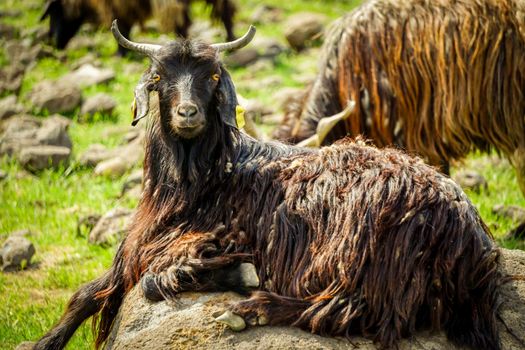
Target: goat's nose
{"x":187,"y":109}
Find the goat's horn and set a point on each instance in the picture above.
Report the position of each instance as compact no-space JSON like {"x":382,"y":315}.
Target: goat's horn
{"x":236,"y":44}
{"x":146,"y":49}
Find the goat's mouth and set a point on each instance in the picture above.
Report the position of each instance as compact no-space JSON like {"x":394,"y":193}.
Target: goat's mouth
{"x":187,"y":128}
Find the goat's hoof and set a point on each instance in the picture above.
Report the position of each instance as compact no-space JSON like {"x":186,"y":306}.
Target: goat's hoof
{"x":249,"y":276}
{"x":150,"y":288}
{"x":262,"y":320}
{"x":234,"y":322}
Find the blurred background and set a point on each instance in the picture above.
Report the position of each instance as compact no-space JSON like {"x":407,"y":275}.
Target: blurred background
{"x":70,"y":163}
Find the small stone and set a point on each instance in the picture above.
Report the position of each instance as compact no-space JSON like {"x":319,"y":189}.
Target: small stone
{"x":114,"y":167}
{"x":95,"y":154}
{"x":56,"y":96}
{"x":267,"y":47}
{"x":54,"y":132}
{"x":242,"y":58}
{"x":266,"y":14}
{"x":88,"y":75}
{"x":36,"y":158}
{"x":100,"y":103}
{"x":471,"y":180}
{"x":9,"y":107}
{"x":302,"y":28}
{"x":111,"y":227}
{"x":26,"y":345}
{"x":133,"y":180}
{"x":11,"y":78}
{"x":16,"y":253}
{"x":514,"y":212}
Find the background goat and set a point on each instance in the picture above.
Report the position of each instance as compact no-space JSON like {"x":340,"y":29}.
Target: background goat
{"x":436,"y":78}
{"x":346,"y":239}
{"x":66,"y":16}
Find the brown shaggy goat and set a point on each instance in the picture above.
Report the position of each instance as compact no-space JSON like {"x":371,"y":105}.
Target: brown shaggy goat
{"x":436,"y":78}
{"x":66,"y":16}
{"x":347,"y":239}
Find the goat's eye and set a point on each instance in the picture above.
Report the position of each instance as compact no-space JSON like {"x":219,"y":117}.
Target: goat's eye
{"x":155,"y":77}
{"x":215,"y":77}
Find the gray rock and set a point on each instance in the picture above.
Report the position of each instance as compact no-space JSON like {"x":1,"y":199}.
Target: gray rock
{"x":189,"y":323}
{"x":36,"y":158}
{"x":19,"y":132}
{"x":133,"y":180}
{"x":11,"y":78}
{"x":9,"y":107}
{"x":80,"y":42}
{"x":267,"y":47}
{"x":16,"y":253}
{"x":111,"y":227}
{"x":54,"y":132}
{"x":266,"y":14}
{"x":88,"y":75}
{"x":55,"y":96}
{"x":24,"y":53}
{"x":471,"y":180}
{"x":513,"y":212}
{"x":242,"y":57}
{"x":26,"y":345}
{"x":114,"y":162}
{"x":35,"y":34}
{"x":8,"y":31}
{"x":99,"y":103}
{"x":302,"y":28}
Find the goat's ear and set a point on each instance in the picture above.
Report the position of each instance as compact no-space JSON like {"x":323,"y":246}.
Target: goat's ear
{"x":140,"y":106}
{"x":227,"y":99}
{"x":50,"y":6}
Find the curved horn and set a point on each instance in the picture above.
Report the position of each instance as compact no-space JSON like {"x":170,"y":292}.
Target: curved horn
{"x":236,"y":44}
{"x":146,"y":49}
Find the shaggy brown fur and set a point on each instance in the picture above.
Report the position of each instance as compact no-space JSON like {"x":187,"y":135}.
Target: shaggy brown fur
{"x":348,"y":239}
{"x":437,"y":78}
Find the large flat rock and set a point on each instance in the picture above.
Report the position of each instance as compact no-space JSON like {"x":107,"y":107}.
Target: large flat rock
{"x":188,"y":323}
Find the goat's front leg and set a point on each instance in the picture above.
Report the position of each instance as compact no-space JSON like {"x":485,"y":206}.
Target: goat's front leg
{"x":225,"y":273}
{"x":200,"y":262}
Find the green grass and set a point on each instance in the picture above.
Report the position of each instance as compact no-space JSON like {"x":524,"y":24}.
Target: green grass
{"x":51,"y":203}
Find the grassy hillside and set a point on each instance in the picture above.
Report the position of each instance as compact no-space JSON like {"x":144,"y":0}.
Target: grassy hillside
{"x":50,"y":204}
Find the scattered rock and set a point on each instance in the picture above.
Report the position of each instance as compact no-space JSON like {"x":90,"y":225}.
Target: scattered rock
{"x":133,"y":180}
{"x":114,"y":167}
{"x":88,"y":59}
{"x":111,"y":227}
{"x":80,"y":42}
{"x":189,"y":323}
{"x":19,"y":132}
{"x":36,"y":158}
{"x":56,"y":96}
{"x":9,"y":107}
{"x":22,"y":52}
{"x":26,"y":345}
{"x":21,"y":233}
{"x":286,"y":96}
{"x":471,"y":180}
{"x":8,"y":31}
{"x":267,"y":47}
{"x":242,"y":58}
{"x":16,"y":253}
{"x":514,"y":212}
{"x":88,"y":75}
{"x":11,"y":78}
{"x":100,"y":103}
{"x":35,"y":34}
{"x":204,"y":31}
{"x":302,"y":28}
{"x":87,"y":223}
{"x":114,"y":162}
{"x":54,"y":132}
{"x":266,"y":14}
{"x":253,"y":108}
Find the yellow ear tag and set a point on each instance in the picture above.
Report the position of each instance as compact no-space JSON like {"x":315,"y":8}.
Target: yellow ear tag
{"x":156,"y":77}
{"x":215,"y":77}
{"x":239,"y":116}
{"x":134,"y":108}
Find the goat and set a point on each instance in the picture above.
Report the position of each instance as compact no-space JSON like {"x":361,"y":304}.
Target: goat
{"x":435,"y":78}
{"x":66,"y":16}
{"x":344,"y":239}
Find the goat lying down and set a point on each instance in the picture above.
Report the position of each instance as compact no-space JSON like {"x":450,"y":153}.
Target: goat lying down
{"x":346,"y":239}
